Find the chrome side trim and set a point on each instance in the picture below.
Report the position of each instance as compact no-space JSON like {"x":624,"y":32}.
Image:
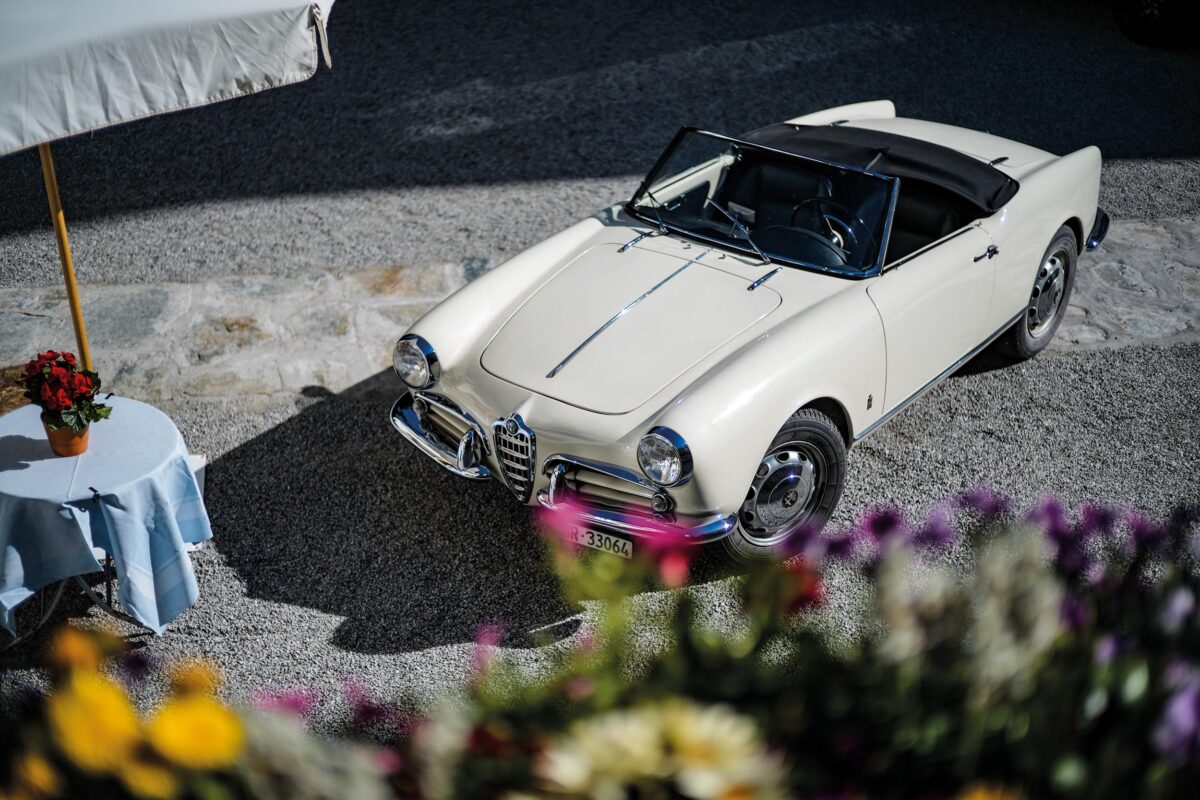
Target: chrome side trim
{"x":622,"y":313}
{"x":406,"y":421}
{"x":693,"y":530}
{"x":763,"y":279}
{"x":939,"y":378}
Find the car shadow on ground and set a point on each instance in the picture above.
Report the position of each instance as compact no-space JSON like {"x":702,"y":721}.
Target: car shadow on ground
{"x":333,"y":510}
{"x":442,"y":92}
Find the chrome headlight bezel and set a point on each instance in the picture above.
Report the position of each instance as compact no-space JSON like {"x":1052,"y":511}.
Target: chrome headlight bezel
{"x":412,"y":344}
{"x":681,"y":456}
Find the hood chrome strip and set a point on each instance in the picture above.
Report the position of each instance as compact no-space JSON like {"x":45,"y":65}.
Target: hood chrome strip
{"x":620,"y":314}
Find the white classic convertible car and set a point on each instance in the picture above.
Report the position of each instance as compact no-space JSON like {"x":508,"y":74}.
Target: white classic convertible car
{"x":699,"y":359}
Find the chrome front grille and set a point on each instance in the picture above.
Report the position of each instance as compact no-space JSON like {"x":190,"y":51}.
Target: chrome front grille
{"x":516,"y":452}
{"x":606,"y":486}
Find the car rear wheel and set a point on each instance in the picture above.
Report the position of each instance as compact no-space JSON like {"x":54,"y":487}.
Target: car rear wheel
{"x":796,"y":486}
{"x":1048,"y":298}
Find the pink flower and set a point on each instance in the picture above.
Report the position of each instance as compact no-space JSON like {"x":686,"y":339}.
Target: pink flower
{"x":487,"y":638}
{"x":673,"y":569}
{"x":294,"y":701}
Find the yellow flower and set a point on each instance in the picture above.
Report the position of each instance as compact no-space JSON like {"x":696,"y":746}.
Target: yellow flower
{"x":149,"y":780}
{"x":92,"y":722}
{"x":194,"y":677}
{"x":197,"y":732}
{"x":34,"y":773}
{"x":979,"y":791}
{"x":72,"y":648}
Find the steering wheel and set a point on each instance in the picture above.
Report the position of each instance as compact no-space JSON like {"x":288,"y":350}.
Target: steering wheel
{"x":845,"y":234}
{"x":807,"y":245}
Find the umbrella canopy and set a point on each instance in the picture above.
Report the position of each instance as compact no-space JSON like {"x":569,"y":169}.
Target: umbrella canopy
{"x":72,"y":66}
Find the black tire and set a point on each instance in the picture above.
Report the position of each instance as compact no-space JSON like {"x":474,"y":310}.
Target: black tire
{"x":808,"y":438}
{"x":1043,"y":314}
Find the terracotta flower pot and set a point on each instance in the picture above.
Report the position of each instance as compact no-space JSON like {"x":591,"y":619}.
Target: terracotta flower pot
{"x":66,"y":442}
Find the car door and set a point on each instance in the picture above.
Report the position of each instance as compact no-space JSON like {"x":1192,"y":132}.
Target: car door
{"x":934,"y":307}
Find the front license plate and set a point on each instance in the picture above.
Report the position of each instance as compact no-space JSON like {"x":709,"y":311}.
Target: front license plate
{"x":603,"y":542}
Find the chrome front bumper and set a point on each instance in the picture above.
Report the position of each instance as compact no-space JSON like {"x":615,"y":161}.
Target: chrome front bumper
{"x":466,"y":462}
{"x":691,"y":529}
{"x":458,"y":461}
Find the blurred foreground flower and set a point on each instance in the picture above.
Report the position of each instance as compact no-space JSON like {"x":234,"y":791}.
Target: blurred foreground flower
{"x":670,"y":746}
{"x":93,"y":722}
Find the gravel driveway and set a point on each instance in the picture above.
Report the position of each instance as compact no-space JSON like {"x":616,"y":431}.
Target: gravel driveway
{"x":462,"y":132}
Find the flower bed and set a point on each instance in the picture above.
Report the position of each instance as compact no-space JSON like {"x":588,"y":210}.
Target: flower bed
{"x":1058,"y":657}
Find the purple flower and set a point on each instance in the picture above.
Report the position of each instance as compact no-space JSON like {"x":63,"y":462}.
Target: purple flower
{"x":938,"y":530}
{"x":1106,"y":650}
{"x":1097,"y":519}
{"x":1177,"y":735}
{"x":840,"y":545}
{"x":883,"y":525}
{"x":1147,"y":534}
{"x":295,"y":701}
{"x":988,"y":503}
{"x":1178,"y":609}
{"x":367,"y":712}
{"x":135,"y":665}
{"x":1075,"y":614}
{"x":1053,"y":519}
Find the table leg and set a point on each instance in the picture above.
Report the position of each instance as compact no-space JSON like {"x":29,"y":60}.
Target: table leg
{"x":58,"y":593}
{"x":107,"y":608}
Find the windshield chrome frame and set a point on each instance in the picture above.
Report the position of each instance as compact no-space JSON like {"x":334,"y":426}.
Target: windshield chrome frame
{"x":875,"y":269}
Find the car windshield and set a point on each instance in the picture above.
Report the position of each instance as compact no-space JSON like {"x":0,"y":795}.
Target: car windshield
{"x":781,"y":207}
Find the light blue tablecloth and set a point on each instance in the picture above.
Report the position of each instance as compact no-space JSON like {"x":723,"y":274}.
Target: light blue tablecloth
{"x":50,"y":520}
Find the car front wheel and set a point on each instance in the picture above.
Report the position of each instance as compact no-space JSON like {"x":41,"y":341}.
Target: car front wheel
{"x":796,"y":486}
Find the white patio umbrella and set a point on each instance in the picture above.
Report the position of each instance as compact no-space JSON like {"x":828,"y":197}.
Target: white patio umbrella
{"x":73,"y":66}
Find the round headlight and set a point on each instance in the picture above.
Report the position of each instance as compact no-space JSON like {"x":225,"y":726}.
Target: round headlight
{"x":415,"y":362}
{"x":664,"y":456}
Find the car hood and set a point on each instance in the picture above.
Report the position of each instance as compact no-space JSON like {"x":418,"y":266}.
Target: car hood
{"x":612,"y":329}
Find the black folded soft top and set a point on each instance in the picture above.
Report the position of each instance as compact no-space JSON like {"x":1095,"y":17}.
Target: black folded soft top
{"x":893,"y":155}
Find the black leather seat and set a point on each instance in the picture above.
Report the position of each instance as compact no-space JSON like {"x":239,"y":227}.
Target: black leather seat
{"x":920,"y":219}
{"x":772,"y":192}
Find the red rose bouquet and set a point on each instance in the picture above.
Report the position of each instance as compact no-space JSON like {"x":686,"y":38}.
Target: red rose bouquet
{"x":64,"y":391}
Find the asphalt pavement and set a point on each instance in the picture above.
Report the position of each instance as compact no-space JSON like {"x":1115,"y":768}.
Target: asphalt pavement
{"x":452,"y":133}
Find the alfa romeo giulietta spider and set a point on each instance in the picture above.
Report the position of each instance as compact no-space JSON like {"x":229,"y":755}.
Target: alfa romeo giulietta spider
{"x":697,"y":361}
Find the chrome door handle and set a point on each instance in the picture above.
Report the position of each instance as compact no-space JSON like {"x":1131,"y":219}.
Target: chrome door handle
{"x":991,"y":252}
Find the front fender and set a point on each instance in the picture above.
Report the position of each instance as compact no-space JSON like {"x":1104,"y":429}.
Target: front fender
{"x":730,"y":415}
{"x":458,"y":326}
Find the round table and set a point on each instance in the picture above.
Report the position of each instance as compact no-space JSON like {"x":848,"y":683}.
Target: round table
{"x":132,"y":494}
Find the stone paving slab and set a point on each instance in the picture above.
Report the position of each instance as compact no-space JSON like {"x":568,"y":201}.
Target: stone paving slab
{"x":270,"y":336}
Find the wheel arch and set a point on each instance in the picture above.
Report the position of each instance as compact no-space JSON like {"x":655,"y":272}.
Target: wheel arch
{"x":1077,"y":228}
{"x":836,"y":412}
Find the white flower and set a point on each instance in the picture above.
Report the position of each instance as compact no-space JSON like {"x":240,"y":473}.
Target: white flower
{"x":703,"y":752}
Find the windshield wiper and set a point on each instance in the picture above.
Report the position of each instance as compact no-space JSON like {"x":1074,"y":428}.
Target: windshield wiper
{"x":662,"y":226}
{"x":737,"y":224}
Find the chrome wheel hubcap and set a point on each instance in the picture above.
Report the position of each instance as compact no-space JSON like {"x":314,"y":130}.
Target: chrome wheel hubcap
{"x":785,"y":489}
{"x":1046,"y":299}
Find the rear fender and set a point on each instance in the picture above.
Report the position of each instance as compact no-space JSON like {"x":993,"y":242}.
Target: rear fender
{"x":1050,"y":195}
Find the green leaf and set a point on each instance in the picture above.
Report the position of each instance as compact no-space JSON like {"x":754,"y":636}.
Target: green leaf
{"x":1095,"y":703}
{"x":1133,"y":688}
{"x":1070,"y":774}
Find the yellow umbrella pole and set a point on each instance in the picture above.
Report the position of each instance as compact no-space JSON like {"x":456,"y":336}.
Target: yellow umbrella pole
{"x":64,"y":254}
